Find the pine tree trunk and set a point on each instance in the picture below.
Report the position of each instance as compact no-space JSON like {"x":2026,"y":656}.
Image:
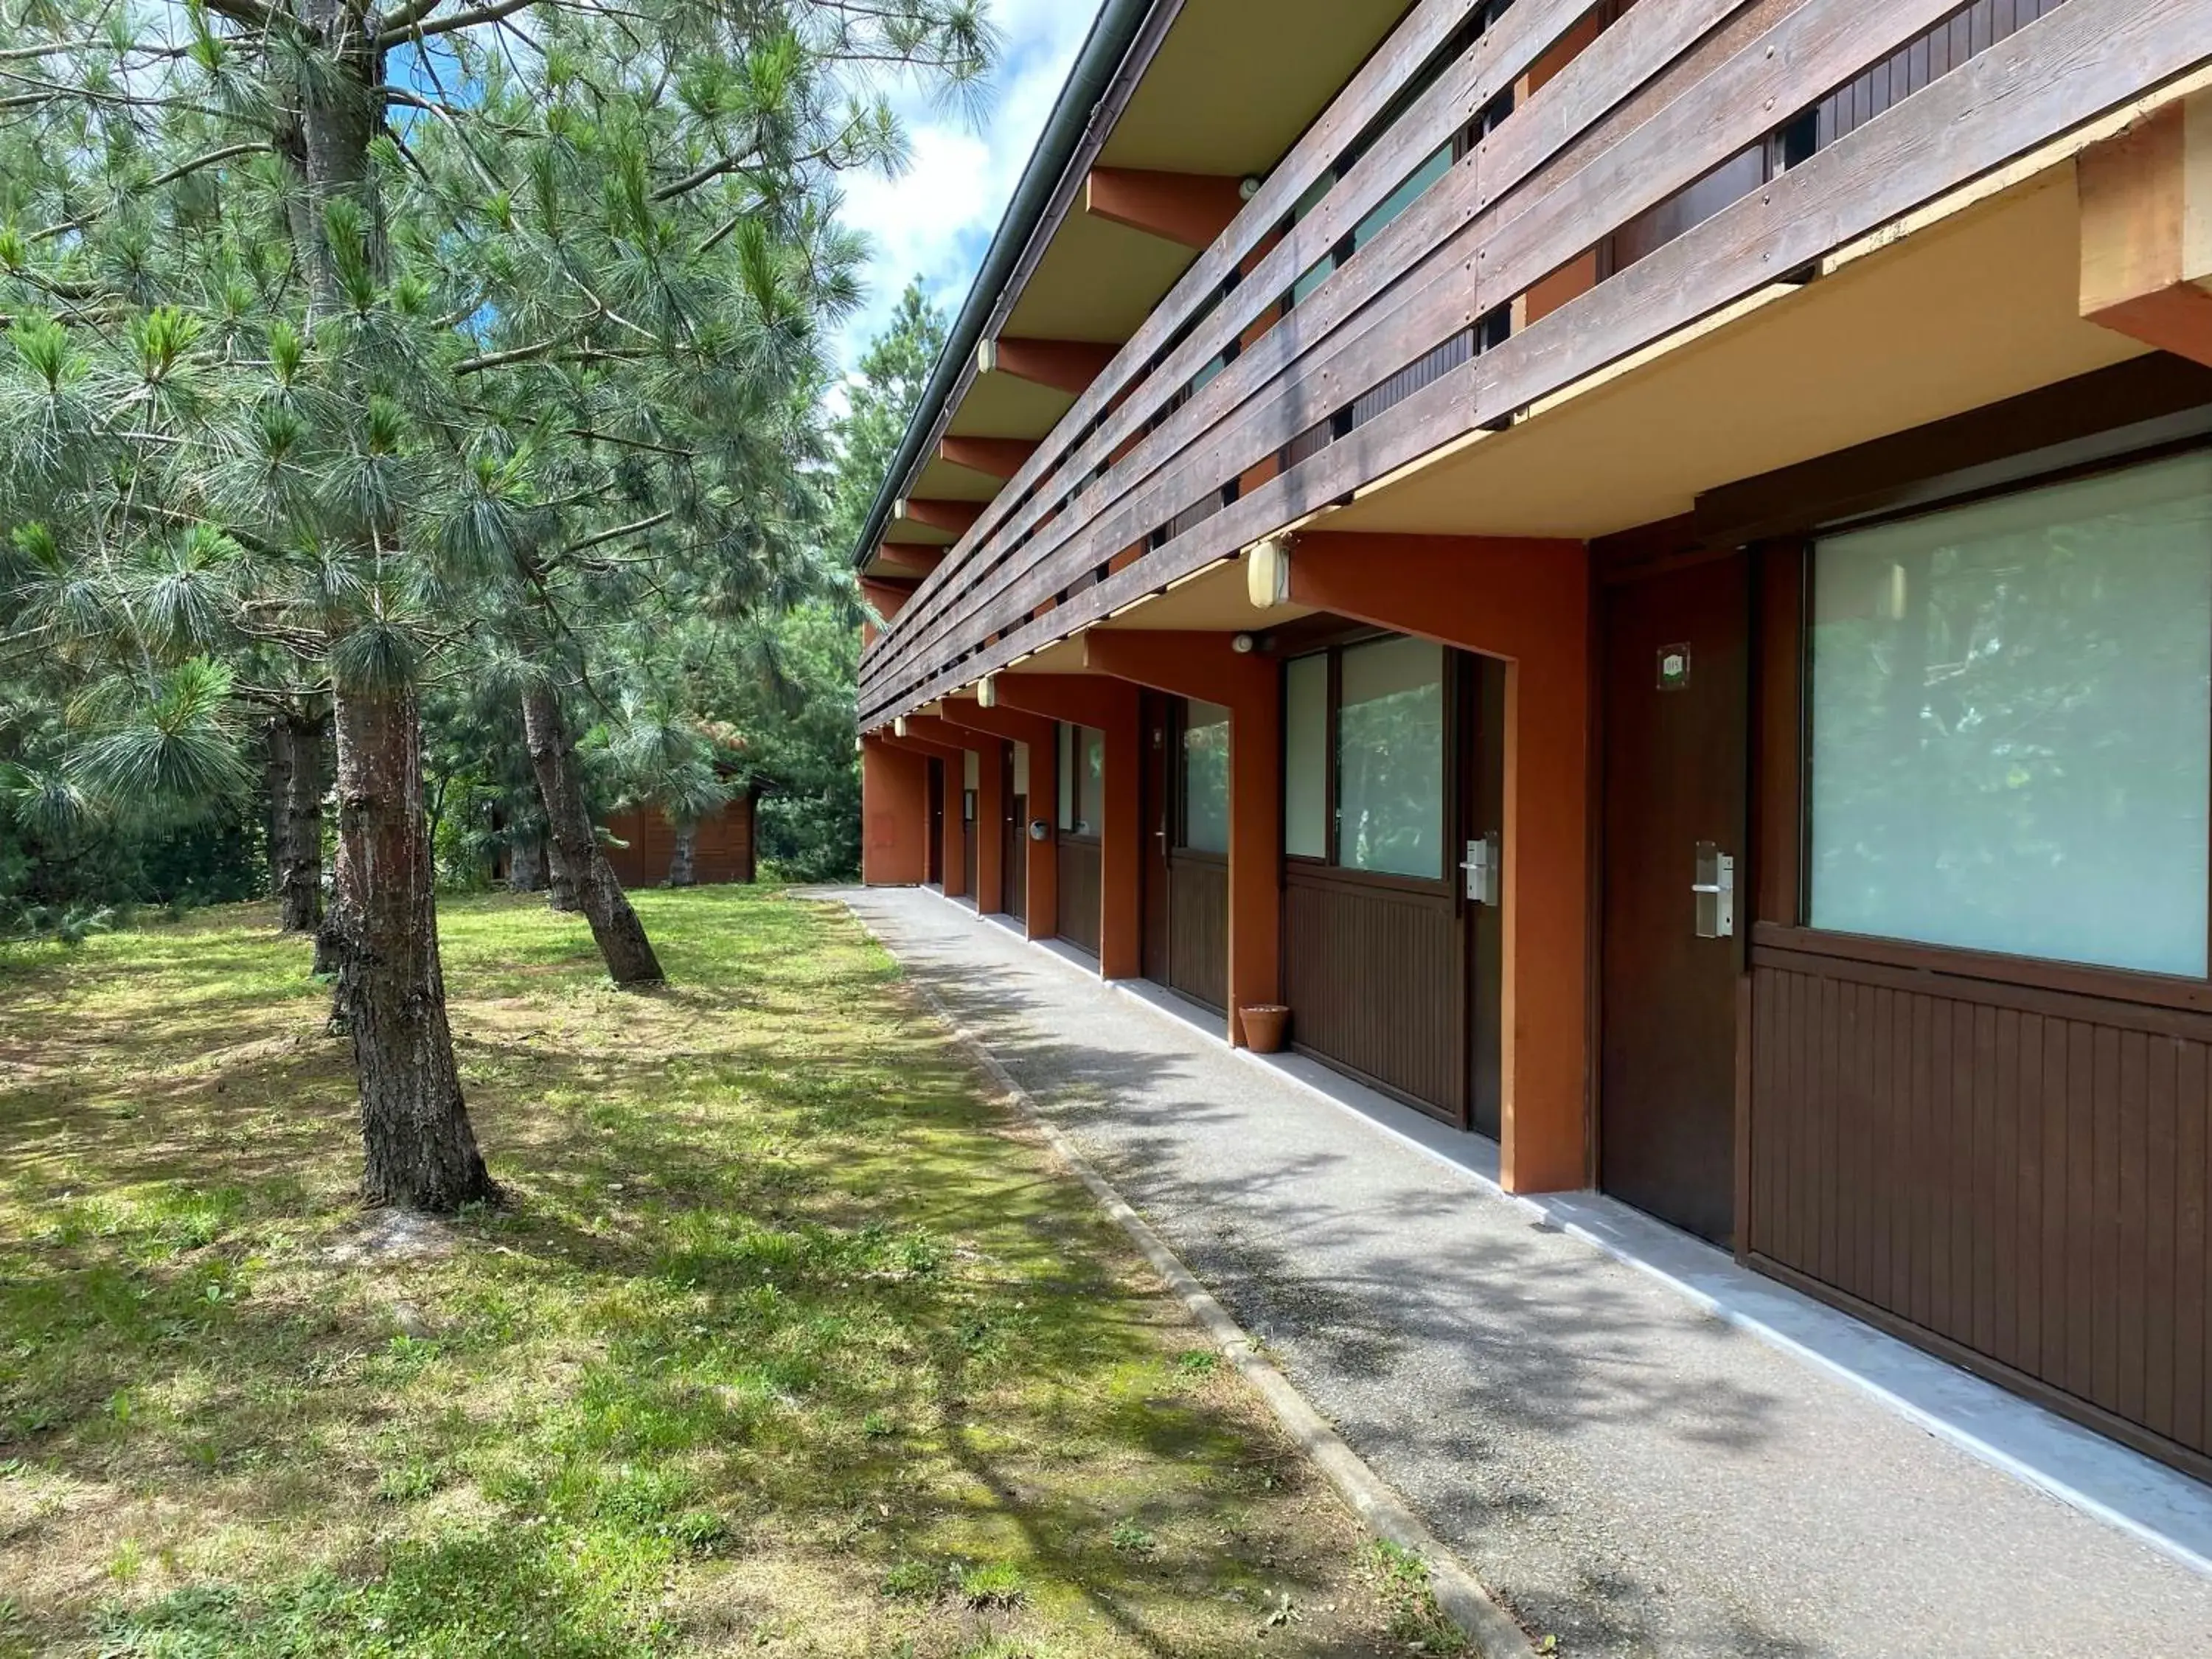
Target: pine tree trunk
{"x":683,"y":864}
{"x":560,"y":885}
{"x":276,"y":774}
{"x":421,"y":1152}
{"x":526,"y":864}
{"x":629,"y":958}
{"x":299,"y":846}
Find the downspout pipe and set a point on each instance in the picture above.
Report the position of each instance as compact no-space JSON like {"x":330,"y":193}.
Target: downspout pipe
{"x":1112,"y":34}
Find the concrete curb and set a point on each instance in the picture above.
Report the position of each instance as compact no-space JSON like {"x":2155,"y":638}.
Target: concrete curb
{"x":1489,"y":1630}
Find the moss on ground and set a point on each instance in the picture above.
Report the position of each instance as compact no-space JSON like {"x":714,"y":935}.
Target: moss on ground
{"x":784,"y":1342}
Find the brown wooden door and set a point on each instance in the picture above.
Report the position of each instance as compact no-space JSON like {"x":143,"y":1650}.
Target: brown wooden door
{"x":968,"y":843}
{"x":1156,"y":735}
{"x":937,"y":822}
{"x":1015,"y":866}
{"x":1676,"y":739}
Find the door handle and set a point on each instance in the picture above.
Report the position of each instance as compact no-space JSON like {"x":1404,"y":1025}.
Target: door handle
{"x":1713,"y":890}
{"x":1484,"y":870}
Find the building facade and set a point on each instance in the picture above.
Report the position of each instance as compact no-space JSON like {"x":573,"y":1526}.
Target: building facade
{"x":1646,"y":569}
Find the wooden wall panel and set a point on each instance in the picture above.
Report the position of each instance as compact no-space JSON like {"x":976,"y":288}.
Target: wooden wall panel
{"x":1079,"y":876}
{"x":724,"y":851}
{"x":1374,"y":978}
{"x":1197,"y":929}
{"x":2023,"y":1175}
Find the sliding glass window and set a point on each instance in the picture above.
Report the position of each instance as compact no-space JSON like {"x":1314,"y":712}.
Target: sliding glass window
{"x":1082,"y":778}
{"x":2011,"y":742}
{"x":1363,"y":758}
{"x":1205,"y":778}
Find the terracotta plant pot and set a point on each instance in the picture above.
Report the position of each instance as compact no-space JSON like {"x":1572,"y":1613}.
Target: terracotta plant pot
{"x":1265,"y":1025}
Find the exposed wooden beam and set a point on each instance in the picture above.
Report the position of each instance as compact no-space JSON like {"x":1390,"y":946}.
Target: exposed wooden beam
{"x":1192,"y":209}
{"x":954,"y":517}
{"x":2147,"y":230}
{"x":1068,"y":366}
{"x":911,"y":555}
{"x":995,"y":457}
{"x":889,"y":597}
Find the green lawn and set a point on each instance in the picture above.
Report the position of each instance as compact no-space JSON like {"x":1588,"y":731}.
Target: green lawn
{"x":785,"y":1341}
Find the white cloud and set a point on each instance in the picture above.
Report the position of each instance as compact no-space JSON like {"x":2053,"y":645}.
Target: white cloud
{"x":935,"y":221}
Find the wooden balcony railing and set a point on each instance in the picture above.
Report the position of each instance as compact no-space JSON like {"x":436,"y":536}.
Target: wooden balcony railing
{"x":1403,"y":347}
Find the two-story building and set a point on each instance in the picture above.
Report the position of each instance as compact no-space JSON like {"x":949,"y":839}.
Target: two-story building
{"x":1645,"y":569}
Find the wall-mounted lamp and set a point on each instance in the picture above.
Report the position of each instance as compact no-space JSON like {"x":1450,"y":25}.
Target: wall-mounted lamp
{"x":1040,"y":828}
{"x":986,"y":691}
{"x":1248,"y":186}
{"x":1242,"y":644}
{"x":898,"y":727}
{"x":1268,"y":572}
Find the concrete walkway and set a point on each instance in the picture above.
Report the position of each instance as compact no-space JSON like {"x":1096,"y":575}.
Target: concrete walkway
{"x":1615,"y":1464}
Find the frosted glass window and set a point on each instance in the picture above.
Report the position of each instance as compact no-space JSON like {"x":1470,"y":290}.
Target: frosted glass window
{"x":1205,"y":778}
{"x":1090,"y":770}
{"x":2012,"y":723}
{"x":1305,"y":757}
{"x":1064,"y":779}
{"x":1390,"y":759}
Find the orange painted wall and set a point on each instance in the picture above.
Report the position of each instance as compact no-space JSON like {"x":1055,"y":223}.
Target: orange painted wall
{"x":1043,"y":860}
{"x":1203,"y":665}
{"x":1109,"y":706}
{"x":894,"y":815}
{"x":1529,"y":602}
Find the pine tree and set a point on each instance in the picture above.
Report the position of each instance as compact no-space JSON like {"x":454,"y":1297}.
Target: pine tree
{"x":331,"y":321}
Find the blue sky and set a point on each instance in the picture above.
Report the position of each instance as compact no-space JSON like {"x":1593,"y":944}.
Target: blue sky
{"x":935,"y":221}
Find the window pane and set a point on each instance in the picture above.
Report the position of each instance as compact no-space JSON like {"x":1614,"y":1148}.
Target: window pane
{"x":2012,"y":723}
{"x":1402,"y":198}
{"x":1205,"y":778}
{"x":1064,"y":781}
{"x":1091,"y":781}
{"x":1305,"y":757}
{"x":1390,"y":759}
{"x":1317,"y":273}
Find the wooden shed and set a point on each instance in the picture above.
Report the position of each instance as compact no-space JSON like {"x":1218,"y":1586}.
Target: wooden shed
{"x":723,"y":852}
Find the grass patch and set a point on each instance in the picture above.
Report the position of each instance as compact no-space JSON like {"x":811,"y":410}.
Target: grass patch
{"x":1402,"y":1578}
{"x":785,"y":1343}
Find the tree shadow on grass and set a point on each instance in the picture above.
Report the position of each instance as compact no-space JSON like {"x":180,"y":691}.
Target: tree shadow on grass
{"x":754,"y":1296}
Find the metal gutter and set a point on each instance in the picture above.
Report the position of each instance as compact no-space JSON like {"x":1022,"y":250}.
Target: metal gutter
{"x":1093,"y":88}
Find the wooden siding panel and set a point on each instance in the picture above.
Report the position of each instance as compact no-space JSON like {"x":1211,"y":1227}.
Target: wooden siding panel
{"x":723,"y":852}
{"x":1079,"y":909}
{"x":1197,"y":929}
{"x":1373,"y":979}
{"x":2031,"y":1186}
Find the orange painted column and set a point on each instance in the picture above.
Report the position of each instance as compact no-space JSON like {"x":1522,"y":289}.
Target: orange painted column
{"x":956,"y":825}
{"x":990,"y":804}
{"x":950,"y":746}
{"x":894,"y":815}
{"x":952,"y":759}
{"x":1043,"y":741}
{"x":1109,"y":706}
{"x":991,"y":807}
{"x":1205,"y":666}
{"x":1527,"y":601}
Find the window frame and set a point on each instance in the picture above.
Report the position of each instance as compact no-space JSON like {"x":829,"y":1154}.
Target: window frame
{"x":1068,"y":750}
{"x":1795,"y":929}
{"x":1454,"y":685}
{"x":1179,"y":726}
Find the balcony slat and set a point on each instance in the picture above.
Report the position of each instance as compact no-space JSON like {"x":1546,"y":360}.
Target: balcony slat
{"x":2071,"y":66}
